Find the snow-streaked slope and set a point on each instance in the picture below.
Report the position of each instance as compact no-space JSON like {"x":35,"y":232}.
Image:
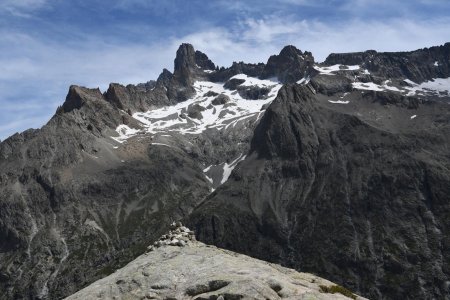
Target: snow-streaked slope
{"x":124,"y":132}
{"x":219,"y":174}
{"x":175,"y":118}
{"x":228,"y":168}
{"x":375,"y":87}
{"x":438,"y":86}
{"x":330,"y":70}
{"x":435,"y":87}
{"x":339,"y":101}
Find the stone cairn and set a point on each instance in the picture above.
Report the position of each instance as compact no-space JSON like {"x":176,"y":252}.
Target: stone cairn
{"x":178,"y":235}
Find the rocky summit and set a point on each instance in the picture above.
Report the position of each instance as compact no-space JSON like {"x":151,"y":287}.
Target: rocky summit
{"x":339,"y":169}
{"x":178,"y":267}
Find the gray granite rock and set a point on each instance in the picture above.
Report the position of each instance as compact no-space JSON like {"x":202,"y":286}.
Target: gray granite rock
{"x":199,"y":271}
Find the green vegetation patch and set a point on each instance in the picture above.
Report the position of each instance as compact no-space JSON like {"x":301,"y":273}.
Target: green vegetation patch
{"x":333,"y":289}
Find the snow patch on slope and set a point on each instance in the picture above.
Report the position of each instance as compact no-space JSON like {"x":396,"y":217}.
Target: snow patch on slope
{"x":304,"y":80}
{"x":219,"y":174}
{"x":368,"y":86}
{"x":435,"y":87}
{"x":176,"y":118}
{"x":125,"y":133}
{"x":438,"y":86}
{"x":228,"y":168}
{"x":251,"y":81}
{"x":330,"y":70}
{"x":339,"y":102}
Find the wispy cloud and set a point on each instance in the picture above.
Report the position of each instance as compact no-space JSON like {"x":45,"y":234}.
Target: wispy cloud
{"x":256,"y":39}
{"x":22,"y":8}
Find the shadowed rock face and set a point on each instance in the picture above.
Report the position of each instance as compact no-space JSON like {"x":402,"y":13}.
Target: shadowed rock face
{"x":330,"y":86}
{"x":289,"y":66}
{"x":345,"y":174}
{"x":223,"y":74}
{"x":203,"y":61}
{"x":352,"y":200}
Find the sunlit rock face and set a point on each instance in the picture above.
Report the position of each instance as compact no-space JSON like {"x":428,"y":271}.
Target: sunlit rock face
{"x":178,"y":267}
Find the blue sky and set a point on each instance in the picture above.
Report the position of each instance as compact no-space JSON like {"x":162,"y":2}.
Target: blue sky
{"x":47,"y":45}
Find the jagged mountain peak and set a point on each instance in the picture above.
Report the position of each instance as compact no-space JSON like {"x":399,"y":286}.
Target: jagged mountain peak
{"x":290,"y":51}
{"x":165,"y":77}
{"x":203,"y":61}
{"x":185,"y":57}
{"x":189,"y":58}
{"x":289,"y":66}
{"x":78,"y":96}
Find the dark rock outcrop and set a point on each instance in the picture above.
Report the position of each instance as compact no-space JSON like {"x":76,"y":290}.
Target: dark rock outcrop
{"x":185,"y":66}
{"x":253,"y":92}
{"x":223,"y":74}
{"x":79,"y":96}
{"x":220,"y":100}
{"x":195,"y":111}
{"x":331,"y":85}
{"x":289,"y":66}
{"x":420,"y":65}
{"x":233,"y":83}
{"x":202,"y":60}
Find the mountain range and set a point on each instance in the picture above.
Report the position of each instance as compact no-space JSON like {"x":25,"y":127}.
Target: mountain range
{"x":339,"y":169}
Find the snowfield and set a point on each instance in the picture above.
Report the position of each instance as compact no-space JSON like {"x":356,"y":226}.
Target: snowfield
{"x":331,"y":69}
{"x":175,"y":118}
{"x":436,"y":87}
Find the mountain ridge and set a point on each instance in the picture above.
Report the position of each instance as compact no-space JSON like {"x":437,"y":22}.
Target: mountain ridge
{"x":232,"y":148}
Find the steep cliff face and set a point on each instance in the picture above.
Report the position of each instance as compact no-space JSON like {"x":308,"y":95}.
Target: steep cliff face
{"x":350,"y":198}
{"x":343,"y":172}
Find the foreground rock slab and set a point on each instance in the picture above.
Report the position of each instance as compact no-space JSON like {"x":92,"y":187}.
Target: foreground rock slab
{"x":198,"y":271}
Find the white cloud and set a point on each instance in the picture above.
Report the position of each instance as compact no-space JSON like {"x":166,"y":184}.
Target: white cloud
{"x":22,"y":8}
{"x":256,"y":39}
{"x":91,"y":63}
{"x":270,"y":30}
